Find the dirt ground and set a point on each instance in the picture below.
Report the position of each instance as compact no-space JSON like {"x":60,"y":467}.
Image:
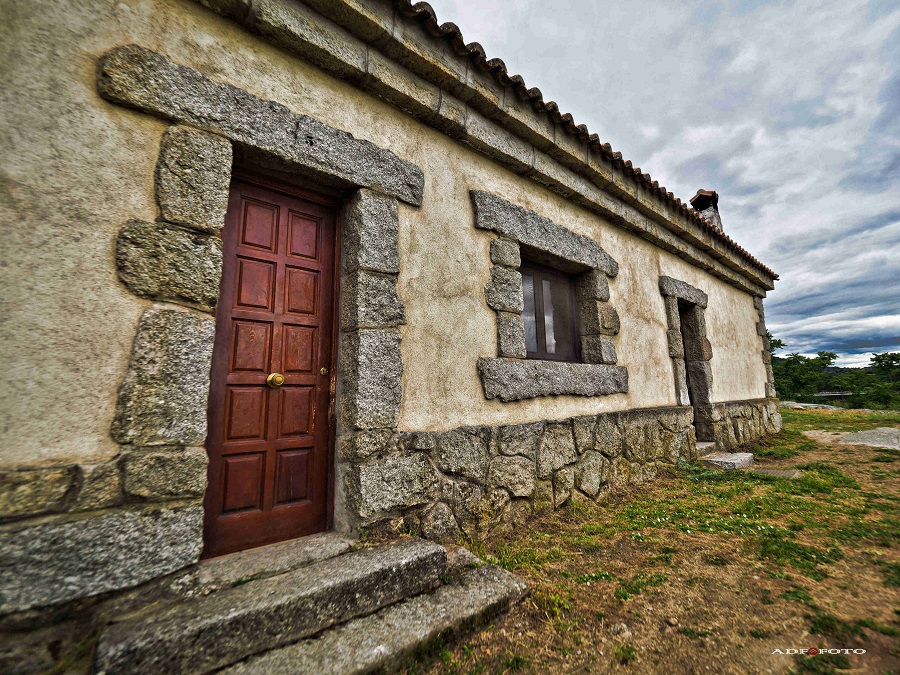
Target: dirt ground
{"x":704,"y":571}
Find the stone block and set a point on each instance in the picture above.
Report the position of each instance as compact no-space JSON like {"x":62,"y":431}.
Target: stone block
{"x":766,"y":356}
{"x":297,"y":28}
{"x":364,"y":444}
{"x":563,"y":483}
{"x":609,"y":436}
{"x":438,"y":524}
{"x":698,"y":349}
{"x":519,"y":511}
{"x":164,"y":473}
{"x":399,"y":481}
{"x":506,"y":252}
{"x":521,"y":439}
{"x":193,"y":176}
{"x":517,"y":379}
{"x":370,"y":300}
{"x":728,"y":460}
{"x":676,"y":345}
{"x":591,"y":472}
{"x":165,"y":262}
{"x":556,"y":449}
{"x":510,"y":335}
{"x":598,"y":349}
{"x":139,"y":78}
{"x":29,"y":492}
{"x":583,"y":428}
{"x":477,"y":509}
{"x":682,"y":291}
{"x":372,"y":370}
{"x":700,"y":377}
{"x":163,"y":398}
{"x":54,"y":562}
{"x":541,"y":234}
{"x":516,"y":474}
{"x":620,"y":473}
{"x":641,"y":441}
{"x":682,"y":395}
{"x":761,"y":328}
{"x":770,"y":374}
{"x":770,"y":390}
{"x":598,"y":318}
{"x":101,"y":486}
{"x":504,"y":291}
{"x":463,"y":452}
{"x":369,"y":234}
{"x":673,"y":317}
{"x":592,"y":285}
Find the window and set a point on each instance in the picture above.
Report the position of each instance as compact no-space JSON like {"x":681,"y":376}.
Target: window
{"x":550,"y":320}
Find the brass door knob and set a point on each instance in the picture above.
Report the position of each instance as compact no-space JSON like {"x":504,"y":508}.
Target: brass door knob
{"x":323,"y":371}
{"x":275,"y":380}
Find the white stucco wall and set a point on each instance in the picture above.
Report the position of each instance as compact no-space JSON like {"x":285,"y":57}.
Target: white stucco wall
{"x":74,"y":169}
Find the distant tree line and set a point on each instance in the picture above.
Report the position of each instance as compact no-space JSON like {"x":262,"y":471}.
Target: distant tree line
{"x":800,"y":378}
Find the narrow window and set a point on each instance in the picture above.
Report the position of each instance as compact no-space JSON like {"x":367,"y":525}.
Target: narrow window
{"x":550,"y":319}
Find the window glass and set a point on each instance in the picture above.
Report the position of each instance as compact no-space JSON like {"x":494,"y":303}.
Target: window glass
{"x":528,"y":315}
{"x":549,"y":316}
{"x":549,"y":297}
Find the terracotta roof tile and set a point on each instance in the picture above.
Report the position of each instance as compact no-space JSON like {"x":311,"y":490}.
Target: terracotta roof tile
{"x":426,"y":17}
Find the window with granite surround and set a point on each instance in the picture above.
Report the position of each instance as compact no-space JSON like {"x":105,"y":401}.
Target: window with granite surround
{"x":572,"y":271}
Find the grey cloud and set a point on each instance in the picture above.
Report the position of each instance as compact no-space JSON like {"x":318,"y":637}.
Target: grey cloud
{"x":788,"y":109}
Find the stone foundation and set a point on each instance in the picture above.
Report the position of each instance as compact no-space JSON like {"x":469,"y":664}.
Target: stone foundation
{"x":472,"y":480}
{"x":737,"y":423}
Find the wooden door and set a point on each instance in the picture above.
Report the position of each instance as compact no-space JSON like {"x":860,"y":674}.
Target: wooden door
{"x":268,"y":443}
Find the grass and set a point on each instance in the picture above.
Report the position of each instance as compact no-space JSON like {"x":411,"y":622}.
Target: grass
{"x":740,"y":562}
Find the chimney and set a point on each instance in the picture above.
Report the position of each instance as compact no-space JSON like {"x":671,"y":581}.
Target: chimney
{"x":706,"y":202}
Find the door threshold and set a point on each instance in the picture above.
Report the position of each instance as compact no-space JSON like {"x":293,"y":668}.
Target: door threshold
{"x":233,"y":569}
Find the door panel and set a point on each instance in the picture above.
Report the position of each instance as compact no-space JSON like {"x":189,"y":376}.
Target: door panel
{"x":268,"y":447}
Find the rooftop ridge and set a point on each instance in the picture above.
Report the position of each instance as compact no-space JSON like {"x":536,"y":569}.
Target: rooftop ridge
{"x":424,"y":14}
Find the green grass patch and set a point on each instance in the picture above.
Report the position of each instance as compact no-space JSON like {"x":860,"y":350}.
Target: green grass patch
{"x":821,"y":664}
{"x":696,"y":633}
{"x":638,"y":584}
{"x":799,"y":594}
{"x":779,"y":545}
{"x":823,"y":623}
{"x":891,"y":573}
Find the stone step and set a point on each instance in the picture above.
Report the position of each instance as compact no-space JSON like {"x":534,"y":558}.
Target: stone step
{"x":267,"y":561}
{"x":704,"y":446}
{"x":382,"y":641}
{"x":218,"y":630}
{"x":728,"y":460}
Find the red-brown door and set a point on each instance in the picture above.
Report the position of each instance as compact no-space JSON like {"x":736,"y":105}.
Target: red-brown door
{"x":269,"y":403}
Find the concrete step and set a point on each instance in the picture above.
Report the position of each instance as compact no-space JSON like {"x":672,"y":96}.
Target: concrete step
{"x":218,"y":630}
{"x":728,"y":460}
{"x":382,"y":641}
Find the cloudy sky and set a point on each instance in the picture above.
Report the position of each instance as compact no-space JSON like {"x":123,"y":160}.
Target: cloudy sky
{"x":791,"y":110}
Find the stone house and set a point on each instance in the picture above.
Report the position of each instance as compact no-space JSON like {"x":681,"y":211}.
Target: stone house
{"x":274,"y":268}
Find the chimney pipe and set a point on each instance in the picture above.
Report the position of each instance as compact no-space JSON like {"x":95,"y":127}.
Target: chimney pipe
{"x":707,"y":203}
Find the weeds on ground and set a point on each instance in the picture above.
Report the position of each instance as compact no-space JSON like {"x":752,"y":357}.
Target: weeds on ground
{"x":594,"y":565}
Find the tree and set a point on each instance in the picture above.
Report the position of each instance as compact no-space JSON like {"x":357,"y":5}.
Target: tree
{"x":887,"y":366}
{"x":774,"y":343}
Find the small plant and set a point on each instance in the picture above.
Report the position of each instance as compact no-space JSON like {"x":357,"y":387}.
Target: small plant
{"x":718,"y":561}
{"x":696,"y":633}
{"x":759,"y":633}
{"x":625,"y":653}
{"x":514,"y":662}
